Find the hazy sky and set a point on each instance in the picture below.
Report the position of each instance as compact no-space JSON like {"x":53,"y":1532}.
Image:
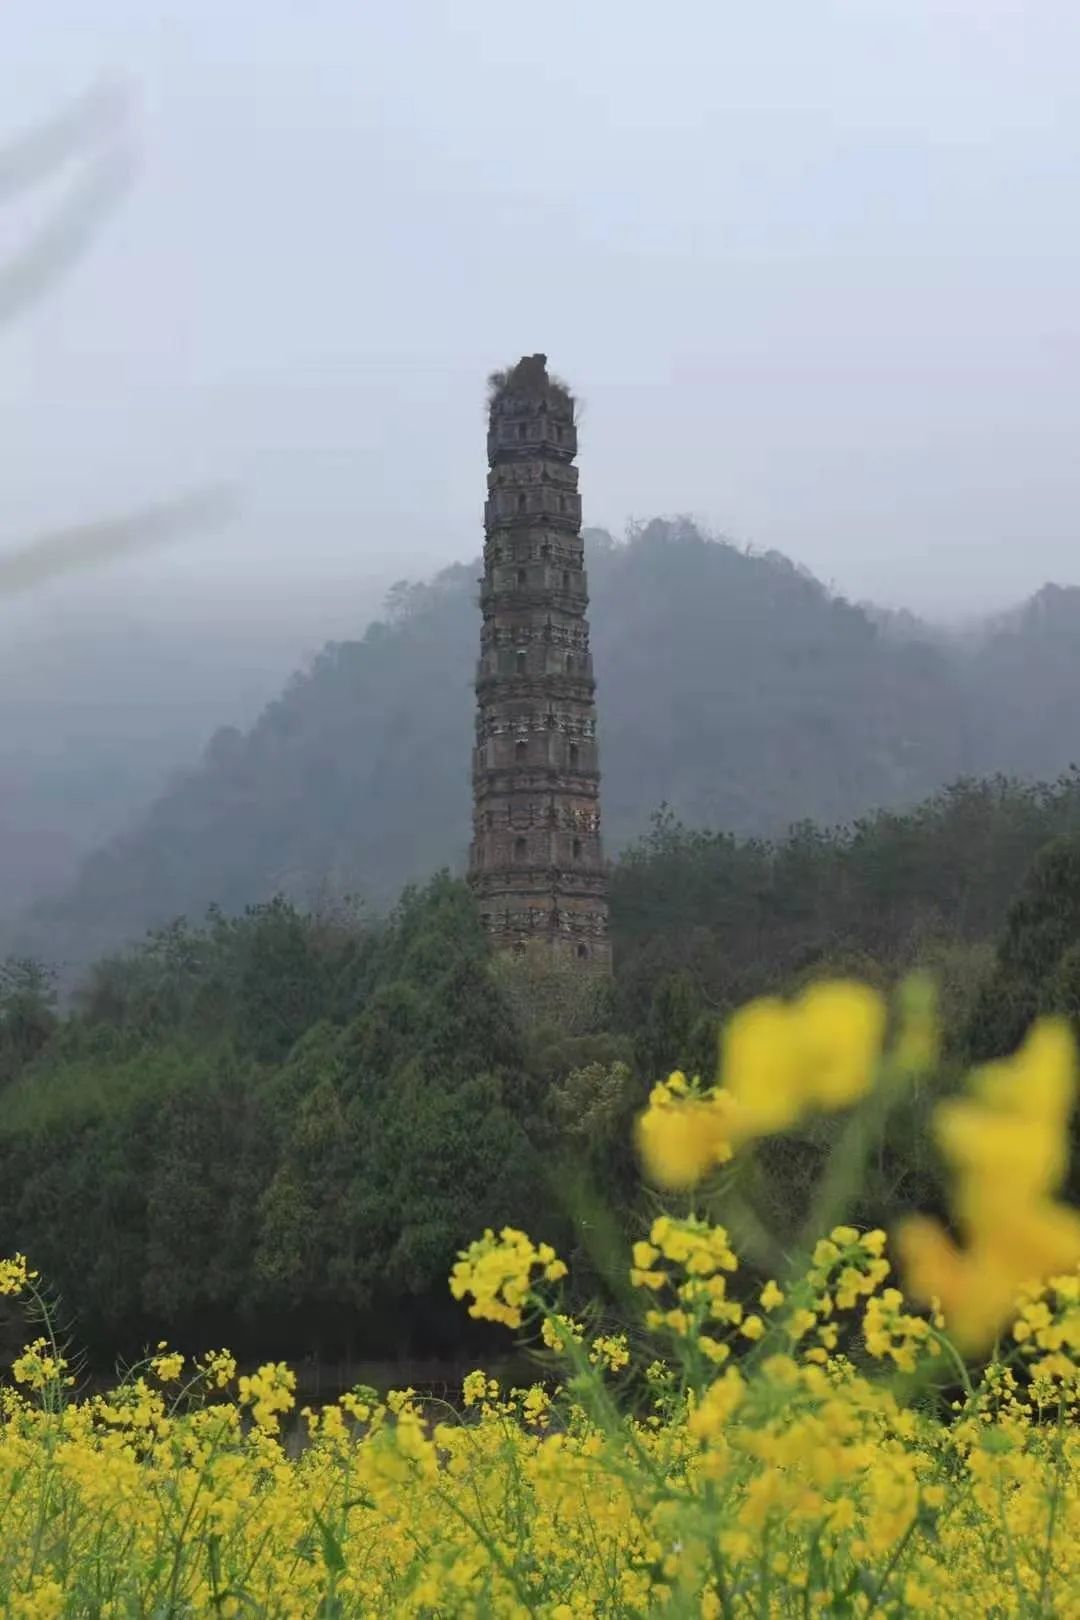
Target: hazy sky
{"x":811,"y":264}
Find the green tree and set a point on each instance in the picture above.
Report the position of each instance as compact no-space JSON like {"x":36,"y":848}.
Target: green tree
{"x":675,"y":1034}
{"x":1036,"y":968}
{"x":28,"y":1018}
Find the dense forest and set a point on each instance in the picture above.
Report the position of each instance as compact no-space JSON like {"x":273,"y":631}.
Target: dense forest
{"x":733,"y":687}
{"x":276,"y":1128}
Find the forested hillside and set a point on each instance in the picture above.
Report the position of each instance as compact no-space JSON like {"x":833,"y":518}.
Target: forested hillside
{"x":276,"y":1129}
{"x":733,"y":687}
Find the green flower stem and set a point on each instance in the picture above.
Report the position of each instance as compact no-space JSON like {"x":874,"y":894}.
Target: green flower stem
{"x":845,"y":1167}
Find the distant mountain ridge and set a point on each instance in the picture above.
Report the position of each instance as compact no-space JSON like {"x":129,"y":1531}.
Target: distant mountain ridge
{"x":102,"y":698}
{"x":732,"y":686}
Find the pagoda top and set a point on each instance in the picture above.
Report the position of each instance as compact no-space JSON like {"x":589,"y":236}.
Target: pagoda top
{"x":529,"y":379}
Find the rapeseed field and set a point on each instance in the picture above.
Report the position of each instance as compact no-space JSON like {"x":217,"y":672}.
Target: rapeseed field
{"x":838,"y":1439}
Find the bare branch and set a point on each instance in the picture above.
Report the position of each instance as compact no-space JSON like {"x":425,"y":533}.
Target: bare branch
{"x":65,"y":238}
{"x":90,"y":543}
{"x":96,"y":119}
{"x":93,"y":132}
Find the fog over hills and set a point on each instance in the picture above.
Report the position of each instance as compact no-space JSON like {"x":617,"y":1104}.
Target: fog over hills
{"x":733,"y":687}
{"x":106,"y":691}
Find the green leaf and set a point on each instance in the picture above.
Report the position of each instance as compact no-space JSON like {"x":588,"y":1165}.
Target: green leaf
{"x":333,"y":1557}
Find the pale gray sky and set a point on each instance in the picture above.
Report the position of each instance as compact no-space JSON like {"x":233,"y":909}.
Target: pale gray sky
{"x":811,"y":264}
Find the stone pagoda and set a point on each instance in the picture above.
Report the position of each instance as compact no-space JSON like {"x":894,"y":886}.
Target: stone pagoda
{"x":536,"y":863}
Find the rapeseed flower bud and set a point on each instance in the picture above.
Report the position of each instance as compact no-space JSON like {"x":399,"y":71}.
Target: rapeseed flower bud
{"x":167,"y":1365}
{"x":39,"y":1366}
{"x":610,"y":1351}
{"x":15,"y":1274}
{"x":218,"y":1367}
{"x":560,"y":1332}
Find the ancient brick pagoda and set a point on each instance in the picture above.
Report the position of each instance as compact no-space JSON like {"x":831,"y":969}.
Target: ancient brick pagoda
{"x":536,"y":864}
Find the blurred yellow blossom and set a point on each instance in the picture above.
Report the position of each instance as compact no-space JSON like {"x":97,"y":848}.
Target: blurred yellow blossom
{"x":1007,"y":1145}
{"x":778,"y":1061}
{"x":681,"y":1138}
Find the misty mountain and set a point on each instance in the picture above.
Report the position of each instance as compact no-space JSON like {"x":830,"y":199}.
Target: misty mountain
{"x":1025,"y":666}
{"x":106,"y":692}
{"x":93,"y":721}
{"x":732,"y":686}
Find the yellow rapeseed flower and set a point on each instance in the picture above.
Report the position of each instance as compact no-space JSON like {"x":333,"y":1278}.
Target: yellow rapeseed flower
{"x":167,"y":1366}
{"x":15,"y":1274}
